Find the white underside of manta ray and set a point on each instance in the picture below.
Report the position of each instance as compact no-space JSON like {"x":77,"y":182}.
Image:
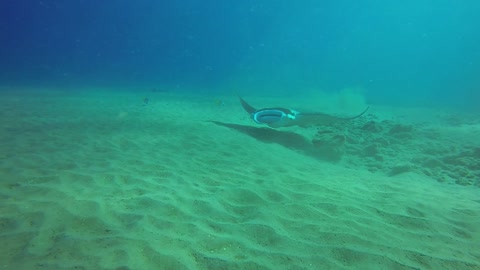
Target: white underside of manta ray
{"x":281,"y":117}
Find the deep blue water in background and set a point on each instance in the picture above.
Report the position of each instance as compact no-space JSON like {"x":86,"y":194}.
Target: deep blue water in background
{"x":413,"y":51}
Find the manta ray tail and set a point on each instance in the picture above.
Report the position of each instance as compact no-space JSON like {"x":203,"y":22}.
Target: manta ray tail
{"x":356,"y":116}
{"x":248,"y":108}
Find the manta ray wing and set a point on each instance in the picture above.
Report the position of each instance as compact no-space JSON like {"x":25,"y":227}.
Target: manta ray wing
{"x":317,"y":118}
{"x":247,"y":107}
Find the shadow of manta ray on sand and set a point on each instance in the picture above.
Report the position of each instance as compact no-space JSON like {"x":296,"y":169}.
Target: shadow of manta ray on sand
{"x":287,"y":139}
{"x":282,"y":117}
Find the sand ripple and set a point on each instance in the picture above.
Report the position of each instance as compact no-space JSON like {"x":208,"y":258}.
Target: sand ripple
{"x":117,"y":194}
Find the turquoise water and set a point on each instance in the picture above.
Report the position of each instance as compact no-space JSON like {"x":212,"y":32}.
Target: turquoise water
{"x":123,"y":144}
{"x":415,"y":52}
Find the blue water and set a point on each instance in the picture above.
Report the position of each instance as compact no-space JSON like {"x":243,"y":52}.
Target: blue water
{"x":397,"y":52}
{"x":149,"y":180}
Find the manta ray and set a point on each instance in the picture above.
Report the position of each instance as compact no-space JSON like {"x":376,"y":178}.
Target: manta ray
{"x":281,"y":117}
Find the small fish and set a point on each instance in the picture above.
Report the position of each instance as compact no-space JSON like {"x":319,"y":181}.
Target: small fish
{"x":219,"y":102}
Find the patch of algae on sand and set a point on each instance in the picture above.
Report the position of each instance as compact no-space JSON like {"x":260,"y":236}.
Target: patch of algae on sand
{"x":393,"y":148}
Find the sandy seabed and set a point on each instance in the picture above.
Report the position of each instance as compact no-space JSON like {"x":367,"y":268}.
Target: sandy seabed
{"x":99,"y":180}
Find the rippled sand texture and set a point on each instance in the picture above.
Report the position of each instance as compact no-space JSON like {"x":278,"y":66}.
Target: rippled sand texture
{"x":98,"y":181}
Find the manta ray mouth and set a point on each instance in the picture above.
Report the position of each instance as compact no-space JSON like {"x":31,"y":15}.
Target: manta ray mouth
{"x":268,"y":116}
